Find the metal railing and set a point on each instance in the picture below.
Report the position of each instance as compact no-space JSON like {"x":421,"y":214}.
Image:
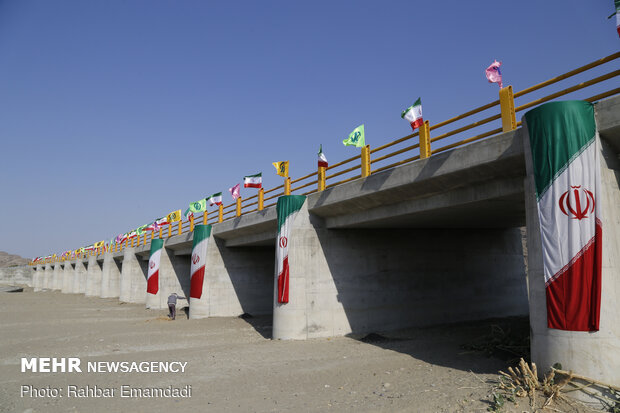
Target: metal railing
{"x":502,"y":118}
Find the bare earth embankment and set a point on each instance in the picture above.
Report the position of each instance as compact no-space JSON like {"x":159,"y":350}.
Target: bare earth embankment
{"x":231,"y":364}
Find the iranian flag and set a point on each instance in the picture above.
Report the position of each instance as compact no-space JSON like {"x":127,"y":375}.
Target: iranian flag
{"x":215,"y":199}
{"x":152,"y":279}
{"x":287,"y":209}
{"x":565,"y":158}
{"x":199,"y":259}
{"x":322,"y":158}
{"x":413,"y":114}
{"x":253,"y":181}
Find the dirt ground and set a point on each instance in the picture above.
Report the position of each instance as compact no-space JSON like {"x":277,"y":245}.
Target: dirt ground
{"x":233,"y":365}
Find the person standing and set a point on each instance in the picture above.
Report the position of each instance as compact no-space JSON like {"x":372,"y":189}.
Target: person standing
{"x":172,"y":305}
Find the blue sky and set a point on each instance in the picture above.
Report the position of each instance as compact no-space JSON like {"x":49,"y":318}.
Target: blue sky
{"x":115,"y":113}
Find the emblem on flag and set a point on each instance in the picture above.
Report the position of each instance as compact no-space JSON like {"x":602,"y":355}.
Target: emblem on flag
{"x":356,"y":138}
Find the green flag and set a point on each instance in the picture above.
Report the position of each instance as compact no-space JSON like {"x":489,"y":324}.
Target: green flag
{"x":140,"y":229}
{"x":356,"y":138}
{"x":198,"y":206}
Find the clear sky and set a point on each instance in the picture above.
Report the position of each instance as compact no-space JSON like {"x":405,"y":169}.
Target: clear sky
{"x":114,"y":113}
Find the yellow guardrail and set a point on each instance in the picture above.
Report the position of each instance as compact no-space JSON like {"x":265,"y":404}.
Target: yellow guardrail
{"x":362,"y":165}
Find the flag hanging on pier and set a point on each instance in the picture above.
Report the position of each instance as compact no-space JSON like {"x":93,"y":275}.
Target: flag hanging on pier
{"x":199,"y":259}
{"x":253,"y":181}
{"x":356,"y":138}
{"x":322,"y":158}
{"x":152,"y":278}
{"x":286,"y":209}
{"x":281,"y":168}
{"x":565,"y":158}
{"x":413,"y":114}
{"x":235,"y":191}
{"x":494,"y":75}
{"x":215,"y":199}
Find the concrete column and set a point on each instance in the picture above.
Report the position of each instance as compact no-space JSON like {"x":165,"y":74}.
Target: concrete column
{"x":592,"y":354}
{"x":93,"y":277}
{"x":57,"y":285}
{"x":79,"y":280}
{"x":67,"y":278}
{"x":110,"y":277}
{"x":38,"y":278}
{"x":133,"y":278}
{"x":48,"y":277}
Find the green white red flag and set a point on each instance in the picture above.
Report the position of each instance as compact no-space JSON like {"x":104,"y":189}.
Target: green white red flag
{"x":215,"y":199}
{"x":413,"y":114}
{"x":322,"y":158}
{"x":286,"y":209}
{"x":253,"y":181}
{"x":152,"y":278}
{"x":199,"y":259}
{"x":565,"y":159}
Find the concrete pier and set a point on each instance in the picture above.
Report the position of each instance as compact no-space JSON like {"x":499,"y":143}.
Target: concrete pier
{"x":67,"y":278}
{"x":38,"y":278}
{"x":592,"y":354}
{"x":57,"y":279}
{"x":93,"y":277}
{"x":133,"y":277}
{"x":79,"y":278}
{"x":48,"y":277}
{"x":110,"y":276}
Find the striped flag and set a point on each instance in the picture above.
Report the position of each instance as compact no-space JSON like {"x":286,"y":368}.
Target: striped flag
{"x":322,"y":158}
{"x":413,"y":114}
{"x":253,"y":181}
{"x":494,"y":75}
{"x":199,"y":259}
{"x":215,"y":199}
{"x":565,"y":159}
{"x":287,"y":208}
{"x":152,"y":278}
{"x":235,"y":191}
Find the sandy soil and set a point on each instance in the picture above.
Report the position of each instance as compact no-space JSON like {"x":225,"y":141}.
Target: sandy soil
{"x":232,"y":365}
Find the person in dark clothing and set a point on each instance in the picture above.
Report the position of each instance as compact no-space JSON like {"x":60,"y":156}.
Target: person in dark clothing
{"x":172,"y":305}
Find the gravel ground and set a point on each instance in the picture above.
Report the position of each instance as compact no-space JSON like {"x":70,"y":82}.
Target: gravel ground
{"x":232,"y":364}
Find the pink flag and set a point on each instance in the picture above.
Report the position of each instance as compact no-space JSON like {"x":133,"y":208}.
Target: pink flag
{"x":494,"y":74}
{"x":234,"y":191}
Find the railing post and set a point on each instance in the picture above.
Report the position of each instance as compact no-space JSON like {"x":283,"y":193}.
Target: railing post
{"x":169,"y":230}
{"x":204,"y":217}
{"x":145,"y":235}
{"x":425,"y":140}
{"x":180,"y":226}
{"x":365,"y":161}
{"x":321,"y":178}
{"x":507,"y":106}
{"x":138,"y":243}
{"x":191,"y":224}
{"x":238,"y":207}
{"x":220,"y":216}
{"x":261,"y":199}
{"x":287,"y":186}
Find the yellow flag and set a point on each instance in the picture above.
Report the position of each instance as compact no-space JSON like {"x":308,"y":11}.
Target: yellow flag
{"x":281,"y":168}
{"x":99,"y":244}
{"x":174,"y":216}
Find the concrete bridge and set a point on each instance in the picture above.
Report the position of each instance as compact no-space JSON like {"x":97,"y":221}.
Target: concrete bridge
{"x":438,"y":240}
